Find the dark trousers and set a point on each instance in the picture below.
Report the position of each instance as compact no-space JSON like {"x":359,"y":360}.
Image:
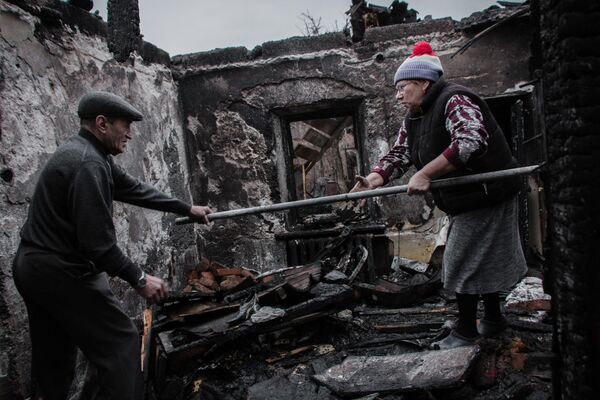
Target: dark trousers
{"x":66,"y":311}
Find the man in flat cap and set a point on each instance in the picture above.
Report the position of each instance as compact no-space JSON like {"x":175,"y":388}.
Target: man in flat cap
{"x":68,"y":246}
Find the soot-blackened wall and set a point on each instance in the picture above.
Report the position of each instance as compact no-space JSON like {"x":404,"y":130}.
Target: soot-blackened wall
{"x":570,"y":54}
{"x":236,"y":103}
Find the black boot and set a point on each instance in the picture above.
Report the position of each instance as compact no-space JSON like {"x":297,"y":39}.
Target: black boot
{"x":493,"y":321}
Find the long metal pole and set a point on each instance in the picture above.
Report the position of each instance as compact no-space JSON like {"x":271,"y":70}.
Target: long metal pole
{"x":437,"y":184}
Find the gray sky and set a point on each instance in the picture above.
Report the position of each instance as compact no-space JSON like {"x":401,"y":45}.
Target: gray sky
{"x":188,"y":26}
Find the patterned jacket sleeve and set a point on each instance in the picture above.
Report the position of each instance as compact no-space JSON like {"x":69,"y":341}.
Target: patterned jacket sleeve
{"x":468,"y":136}
{"x":395,"y":163}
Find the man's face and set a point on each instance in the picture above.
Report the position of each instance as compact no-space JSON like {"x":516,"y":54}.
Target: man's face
{"x":116,"y":135}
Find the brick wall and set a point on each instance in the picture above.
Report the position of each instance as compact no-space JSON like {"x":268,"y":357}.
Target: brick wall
{"x":570,"y":52}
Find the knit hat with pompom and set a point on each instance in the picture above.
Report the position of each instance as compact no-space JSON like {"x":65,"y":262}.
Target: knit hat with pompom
{"x":423,"y":63}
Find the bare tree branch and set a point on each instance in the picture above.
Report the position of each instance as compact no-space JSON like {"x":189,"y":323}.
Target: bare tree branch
{"x":312,"y":25}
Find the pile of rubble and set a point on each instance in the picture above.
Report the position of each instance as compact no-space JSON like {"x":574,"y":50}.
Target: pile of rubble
{"x":320,"y":331}
{"x":212,"y":278}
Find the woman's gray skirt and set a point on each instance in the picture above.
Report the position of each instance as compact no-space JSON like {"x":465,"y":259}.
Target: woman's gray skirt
{"x":483,"y":251}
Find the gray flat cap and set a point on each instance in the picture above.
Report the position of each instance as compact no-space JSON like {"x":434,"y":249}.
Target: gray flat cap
{"x":97,"y":103}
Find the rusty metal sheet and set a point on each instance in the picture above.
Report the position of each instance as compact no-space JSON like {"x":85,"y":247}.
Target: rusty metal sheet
{"x":422,"y":370}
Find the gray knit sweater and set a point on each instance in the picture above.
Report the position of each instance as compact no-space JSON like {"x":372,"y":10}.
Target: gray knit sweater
{"x":71,"y":210}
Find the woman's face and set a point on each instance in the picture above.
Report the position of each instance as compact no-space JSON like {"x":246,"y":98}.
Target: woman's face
{"x":411,"y":93}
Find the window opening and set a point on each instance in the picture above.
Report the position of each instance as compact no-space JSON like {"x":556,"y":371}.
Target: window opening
{"x":325,"y":159}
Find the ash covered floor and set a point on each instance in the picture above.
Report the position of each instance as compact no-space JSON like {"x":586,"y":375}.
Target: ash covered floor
{"x":281,"y":364}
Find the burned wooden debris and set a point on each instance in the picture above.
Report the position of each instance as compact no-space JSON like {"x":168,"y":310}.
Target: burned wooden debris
{"x":320,"y":330}
{"x":410,"y":327}
{"x":211,"y":278}
{"x":387,"y":293}
{"x":408,"y":283}
{"x":222,"y":304}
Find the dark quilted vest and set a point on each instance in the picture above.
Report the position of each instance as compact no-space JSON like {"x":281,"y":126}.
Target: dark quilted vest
{"x":428,"y":138}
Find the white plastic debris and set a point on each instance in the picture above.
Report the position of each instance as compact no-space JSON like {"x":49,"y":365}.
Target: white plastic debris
{"x":267,"y":313}
{"x":399,"y":263}
{"x":335,"y":277}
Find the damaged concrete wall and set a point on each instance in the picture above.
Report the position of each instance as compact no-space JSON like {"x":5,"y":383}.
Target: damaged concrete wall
{"x":237,"y":102}
{"x":44,"y":69}
{"x":570,"y":51}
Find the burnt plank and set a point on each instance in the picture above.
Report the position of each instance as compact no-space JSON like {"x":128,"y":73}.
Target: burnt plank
{"x":290,"y":353}
{"x":280,"y":275}
{"x":300,"y":282}
{"x":409,"y":327}
{"x":179,"y":348}
{"x":529,"y":326}
{"x":409,"y":311}
{"x":326,"y":296}
{"x":223,"y":272}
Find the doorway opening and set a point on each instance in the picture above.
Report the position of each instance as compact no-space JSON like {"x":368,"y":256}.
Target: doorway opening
{"x":518,"y":114}
{"x":323,"y":154}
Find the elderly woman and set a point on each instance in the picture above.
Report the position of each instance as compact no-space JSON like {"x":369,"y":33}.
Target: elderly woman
{"x":449,"y":131}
